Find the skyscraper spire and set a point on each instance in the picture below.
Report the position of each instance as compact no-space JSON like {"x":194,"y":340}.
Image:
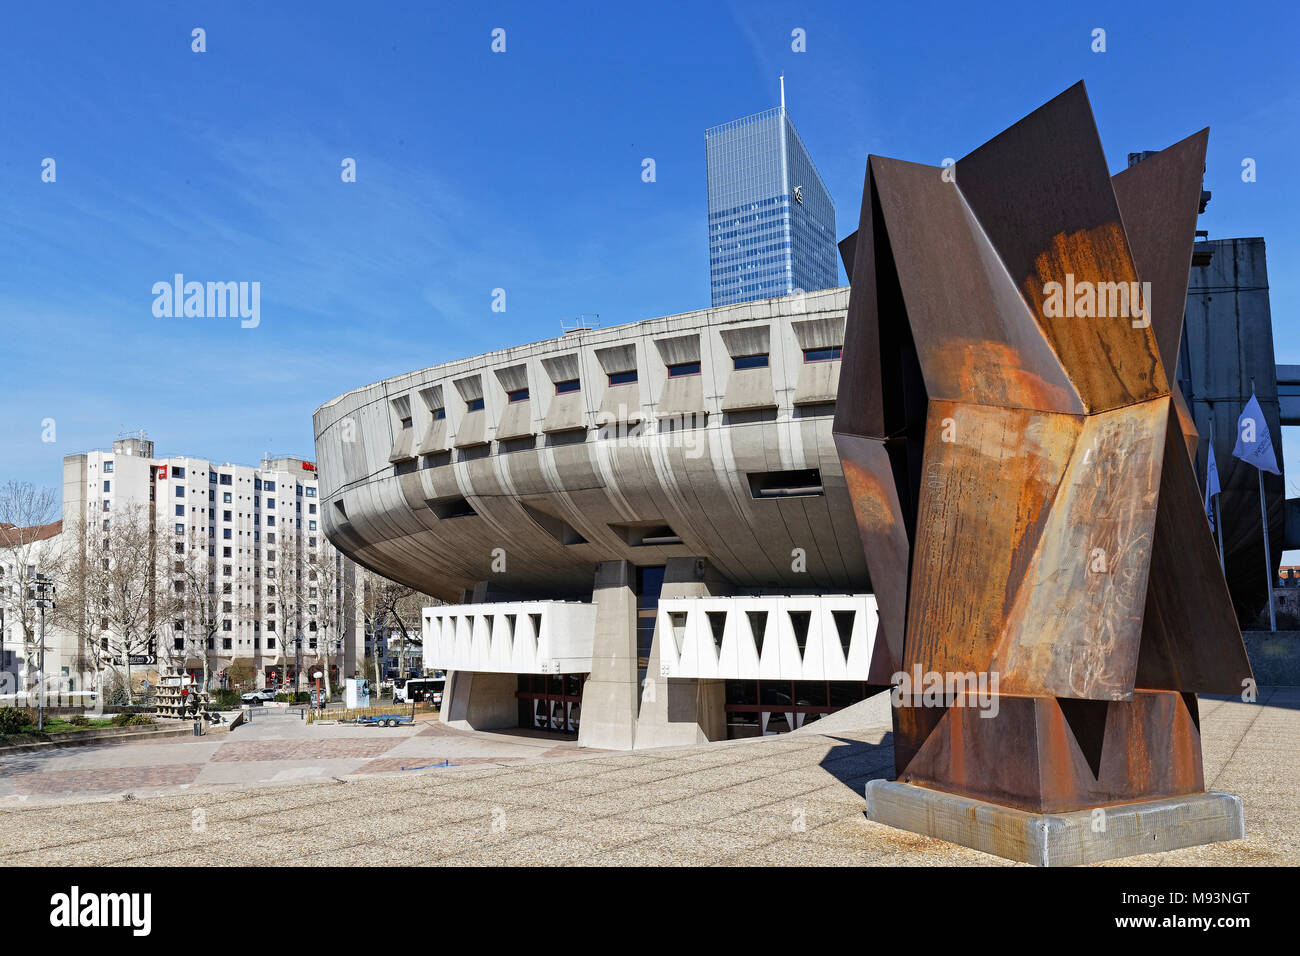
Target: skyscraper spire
{"x":782,"y":91}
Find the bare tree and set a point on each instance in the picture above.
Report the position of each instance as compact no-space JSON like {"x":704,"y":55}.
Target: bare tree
{"x":28,"y":526}
{"x":208,"y":599}
{"x":129,"y":583}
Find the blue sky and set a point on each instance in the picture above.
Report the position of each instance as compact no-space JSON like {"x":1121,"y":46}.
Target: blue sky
{"x":519,"y":170}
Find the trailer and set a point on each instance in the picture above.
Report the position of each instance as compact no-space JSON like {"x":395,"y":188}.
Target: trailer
{"x":386,"y":720}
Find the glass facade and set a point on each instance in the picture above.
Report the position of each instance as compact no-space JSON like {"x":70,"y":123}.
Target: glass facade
{"x":771,"y":219}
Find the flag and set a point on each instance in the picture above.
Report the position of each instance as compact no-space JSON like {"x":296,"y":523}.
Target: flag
{"x":1254,"y":443}
{"x":1211,"y":486}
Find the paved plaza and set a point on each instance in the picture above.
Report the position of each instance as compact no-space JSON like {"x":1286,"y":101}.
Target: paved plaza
{"x":280,"y":792}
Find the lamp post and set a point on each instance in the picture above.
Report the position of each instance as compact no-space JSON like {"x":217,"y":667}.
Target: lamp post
{"x":41,"y":596}
{"x":319,"y":708}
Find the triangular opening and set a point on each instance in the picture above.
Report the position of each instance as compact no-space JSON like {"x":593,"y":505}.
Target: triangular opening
{"x":800,"y":620}
{"x":678,"y":621}
{"x":510,"y":632}
{"x":1087,"y":720}
{"x":844,"y":626}
{"x":718,"y":626}
{"x":758,"y":628}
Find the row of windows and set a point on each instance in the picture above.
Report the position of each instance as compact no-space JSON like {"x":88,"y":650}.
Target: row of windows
{"x":628,"y":377}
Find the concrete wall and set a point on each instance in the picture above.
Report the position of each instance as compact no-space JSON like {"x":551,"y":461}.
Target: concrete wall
{"x":1227,"y":350}
{"x":478,"y":701}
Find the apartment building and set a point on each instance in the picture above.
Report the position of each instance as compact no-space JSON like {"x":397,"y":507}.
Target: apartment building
{"x":280,"y":599}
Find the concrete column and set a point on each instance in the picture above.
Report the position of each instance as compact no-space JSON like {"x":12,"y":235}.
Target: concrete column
{"x":609,"y":697}
{"x":478,"y":700}
{"x":682,"y":710}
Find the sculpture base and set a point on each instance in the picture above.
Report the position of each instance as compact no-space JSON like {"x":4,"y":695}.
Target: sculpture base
{"x":1058,"y":839}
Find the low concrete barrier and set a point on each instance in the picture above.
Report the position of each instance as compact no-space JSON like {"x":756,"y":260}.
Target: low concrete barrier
{"x":1274,"y":657}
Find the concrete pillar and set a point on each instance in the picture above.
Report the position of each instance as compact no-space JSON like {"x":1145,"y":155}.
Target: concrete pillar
{"x":478,"y":700}
{"x":609,"y":697}
{"x":682,"y":710}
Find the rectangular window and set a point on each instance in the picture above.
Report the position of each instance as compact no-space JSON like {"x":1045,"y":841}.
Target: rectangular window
{"x":178,"y":643}
{"x":107,"y":506}
{"x":224,"y":479}
{"x":474,"y":405}
{"x":180,"y":491}
{"x":225,"y":497}
{"x":311,"y":526}
{"x":212,"y":477}
{"x":225,"y":534}
{"x":178,"y":472}
{"x":108,"y":486}
{"x":180,"y":528}
{"x":622,"y":378}
{"x":683,"y":368}
{"x":270,"y":504}
{"x":270,"y":520}
{"x":311,"y":509}
{"x":311,"y":492}
{"x":225,"y":642}
{"x":567,"y":386}
{"x":517,"y":395}
{"x":108,"y":467}
{"x":749,"y":361}
{"x":180,"y":511}
{"x":268,"y":486}
{"x":257,"y":484}
{"x":802,"y":483}
{"x":828,"y":354}
{"x":225,"y":516}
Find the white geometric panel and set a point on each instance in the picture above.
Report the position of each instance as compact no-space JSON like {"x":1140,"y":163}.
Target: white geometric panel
{"x":510,"y":637}
{"x":802,"y":637}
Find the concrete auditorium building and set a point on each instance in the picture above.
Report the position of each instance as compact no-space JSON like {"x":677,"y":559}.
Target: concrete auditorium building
{"x":643,"y":532}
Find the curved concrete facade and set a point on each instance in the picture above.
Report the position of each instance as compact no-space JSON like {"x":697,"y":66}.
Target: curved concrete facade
{"x":439,"y":480}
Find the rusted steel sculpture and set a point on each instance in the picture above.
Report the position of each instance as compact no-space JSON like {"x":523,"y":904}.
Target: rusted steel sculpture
{"x":1020,"y":467}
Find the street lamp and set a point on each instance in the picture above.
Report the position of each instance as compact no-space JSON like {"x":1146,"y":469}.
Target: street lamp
{"x":318,"y":675}
{"x":41,"y":596}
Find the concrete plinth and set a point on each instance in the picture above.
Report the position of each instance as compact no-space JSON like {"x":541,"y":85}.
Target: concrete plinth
{"x":1058,"y":839}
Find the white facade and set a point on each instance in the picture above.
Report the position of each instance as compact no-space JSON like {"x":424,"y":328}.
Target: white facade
{"x":802,"y":638}
{"x":257,"y":524}
{"x":510,"y":637}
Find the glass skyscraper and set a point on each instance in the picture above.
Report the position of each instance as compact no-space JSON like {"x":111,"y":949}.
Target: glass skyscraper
{"x":771,"y":219}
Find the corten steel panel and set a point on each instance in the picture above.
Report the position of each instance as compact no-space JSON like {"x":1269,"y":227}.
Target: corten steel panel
{"x":975,"y":338}
{"x":1075,"y":627}
{"x":869,"y":475}
{"x":1042,"y":192}
{"x":859,"y":409}
{"x":1031,"y":756}
{"x":1190,"y":639}
{"x":1186,"y":425}
{"x":989,"y":479}
{"x":1159,"y":200}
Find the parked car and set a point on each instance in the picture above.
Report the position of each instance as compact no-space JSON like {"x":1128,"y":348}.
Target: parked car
{"x":255,"y":698}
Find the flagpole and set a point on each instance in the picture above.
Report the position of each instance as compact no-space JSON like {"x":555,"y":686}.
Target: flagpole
{"x":1218,"y":517}
{"x":1268,"y":558}
{"x":1218,"y":529}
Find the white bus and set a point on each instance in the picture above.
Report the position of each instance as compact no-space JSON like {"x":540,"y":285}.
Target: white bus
{"x":419,"y":689}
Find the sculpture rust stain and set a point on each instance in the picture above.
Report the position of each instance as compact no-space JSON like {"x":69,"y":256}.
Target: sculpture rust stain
{"x":1020,"y":468}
